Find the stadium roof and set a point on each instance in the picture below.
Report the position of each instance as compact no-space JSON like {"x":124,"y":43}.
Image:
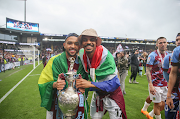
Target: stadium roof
{"x":56,"y":37}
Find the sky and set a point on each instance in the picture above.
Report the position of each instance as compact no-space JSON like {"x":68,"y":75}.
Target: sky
{"x":140,"y":19}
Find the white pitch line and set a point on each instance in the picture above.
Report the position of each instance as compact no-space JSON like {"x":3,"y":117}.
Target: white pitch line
{"x":16,"y":85}
{"x":34,"y":74}
{"x":14,"y":72}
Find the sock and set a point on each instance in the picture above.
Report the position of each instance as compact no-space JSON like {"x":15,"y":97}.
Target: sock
{"x":158,"y":116}
{"x":151,"y":113}
{"x":146,"y":105}
{"x":140,"y":73}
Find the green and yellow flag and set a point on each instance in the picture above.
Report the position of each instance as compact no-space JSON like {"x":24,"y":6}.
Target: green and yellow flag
{"x":55,"y":66}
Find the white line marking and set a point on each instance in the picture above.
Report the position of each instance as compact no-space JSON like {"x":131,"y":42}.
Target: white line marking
{"x":34,"y":74}
{"x":16,"y":85}
{"x":14,"y":72}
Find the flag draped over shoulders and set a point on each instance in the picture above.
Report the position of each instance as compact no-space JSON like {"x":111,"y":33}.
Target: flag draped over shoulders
{"x":102,"y":61}
{"x":105,"y":74}
{"x":49,"y":75}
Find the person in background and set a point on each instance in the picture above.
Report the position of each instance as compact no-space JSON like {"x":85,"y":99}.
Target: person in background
{"x":140,"y":66}
{"x":129,"y":59}
{"x":134,"y":66}
{"x":1,"y":62}
{"x":13,"y":62}
{"x":157,"y":83}
{"x":144,"y":58}
{"x":167,"y":61}
{"x":116,"y":58}
{"x":44,"y":60}
{"x":123,"y":69}
{"x":172,"y":101}
{"x":116,"y":61}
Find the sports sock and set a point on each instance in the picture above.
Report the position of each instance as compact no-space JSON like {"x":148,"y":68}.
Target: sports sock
{"x":146,"y":105}
{"x":158,"y":116}
{"x":140,"y":73}
{"x":151,"y":113}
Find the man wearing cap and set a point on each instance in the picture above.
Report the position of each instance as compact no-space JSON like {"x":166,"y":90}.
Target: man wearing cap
{"x":49,"y":82}
{"x":99,"y":64}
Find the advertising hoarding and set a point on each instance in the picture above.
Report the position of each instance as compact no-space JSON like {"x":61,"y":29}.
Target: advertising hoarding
{"x":21,"y":25}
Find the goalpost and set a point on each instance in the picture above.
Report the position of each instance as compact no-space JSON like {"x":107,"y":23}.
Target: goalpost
{"x":32,"y":50}
{"x":32,"y":54}
{"x":34,"y":57}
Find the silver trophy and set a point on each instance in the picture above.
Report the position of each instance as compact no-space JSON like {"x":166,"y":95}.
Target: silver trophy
{"x":68,"y":100}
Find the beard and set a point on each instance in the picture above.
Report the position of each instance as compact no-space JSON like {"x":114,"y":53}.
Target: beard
{"x":89,"y":51}
{"x":72,"y":55}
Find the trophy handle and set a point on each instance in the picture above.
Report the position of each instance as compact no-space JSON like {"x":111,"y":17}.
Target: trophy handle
{"x":59,"y":91}
{"x":77,"y":77}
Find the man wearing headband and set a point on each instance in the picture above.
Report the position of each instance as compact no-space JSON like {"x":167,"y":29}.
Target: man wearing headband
{"x":174,"y":77}
{"x":99,"y":64}
{"x":52,"y":78}
{"x":157,"y":83}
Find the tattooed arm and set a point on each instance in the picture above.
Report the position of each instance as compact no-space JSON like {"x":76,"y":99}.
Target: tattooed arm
{"x":172,"y":81}
{"x":148,"y":74}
